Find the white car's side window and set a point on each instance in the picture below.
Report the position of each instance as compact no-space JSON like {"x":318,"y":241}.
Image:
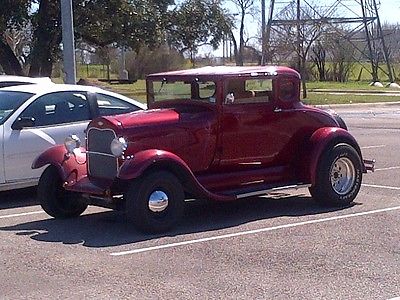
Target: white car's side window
{"x":58,"y":108}
{"x":109,"y":105}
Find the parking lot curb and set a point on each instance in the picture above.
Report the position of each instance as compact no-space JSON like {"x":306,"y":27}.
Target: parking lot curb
{"x":361,"y":105}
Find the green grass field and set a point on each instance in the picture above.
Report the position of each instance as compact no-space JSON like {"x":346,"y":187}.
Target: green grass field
{"x":322,"y":98}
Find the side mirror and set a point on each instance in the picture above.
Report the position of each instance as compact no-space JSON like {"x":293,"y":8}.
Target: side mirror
{"x":23,"y":122}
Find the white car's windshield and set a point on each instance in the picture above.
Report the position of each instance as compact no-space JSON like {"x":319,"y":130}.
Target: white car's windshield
{"x":10,"y":101}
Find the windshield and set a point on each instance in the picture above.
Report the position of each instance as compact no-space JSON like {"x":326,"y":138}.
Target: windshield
{"x":10,"y":101}
{"x":183,"y":90}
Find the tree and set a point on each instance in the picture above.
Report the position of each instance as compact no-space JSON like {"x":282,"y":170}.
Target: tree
{"x":299,"y":31}
{"x":196,"y":23}
{"x":342,"y":52}
{"x":133,"y":23}
{"x":13,"y":16}
{"x":46,"y":39}
{"x":244,"y":8}
{"x":319,"y":59}
{"x":101,"y":23}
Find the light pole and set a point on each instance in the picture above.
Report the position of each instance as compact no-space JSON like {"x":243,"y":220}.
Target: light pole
{"x":68,"y":41}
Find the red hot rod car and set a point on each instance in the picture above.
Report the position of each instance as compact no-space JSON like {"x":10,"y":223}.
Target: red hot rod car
{"x":220,"y":133}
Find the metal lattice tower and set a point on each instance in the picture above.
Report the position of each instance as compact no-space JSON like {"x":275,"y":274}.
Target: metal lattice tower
{"x":355,"y":21}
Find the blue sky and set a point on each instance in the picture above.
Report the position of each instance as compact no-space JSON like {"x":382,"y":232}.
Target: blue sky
{"x":390,"y":11}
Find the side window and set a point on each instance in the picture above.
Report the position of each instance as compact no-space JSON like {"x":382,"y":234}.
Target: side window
{"x":287,"y":90}
{"x":109,"y":105}
{"x":206,"y":89}
{"x":249,"y":91}
{"x":58,"y":108}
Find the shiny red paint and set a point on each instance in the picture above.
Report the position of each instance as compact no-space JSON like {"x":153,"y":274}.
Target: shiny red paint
{"x":72,"y":167}
{"x":217,"y":150}
{"x":321,"y":139}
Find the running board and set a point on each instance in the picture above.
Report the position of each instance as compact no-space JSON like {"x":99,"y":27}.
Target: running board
{"x":271,"y":190}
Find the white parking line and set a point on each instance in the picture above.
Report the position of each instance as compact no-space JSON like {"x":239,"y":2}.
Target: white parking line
{"x":389,"y":168}
{"x":382,"y":186}
{"x":372,"y":147}
{"x":261,"y":230}
{"x":22,"y":214}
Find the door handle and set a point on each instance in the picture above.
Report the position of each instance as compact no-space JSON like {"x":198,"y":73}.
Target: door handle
{"x":277,"y":110}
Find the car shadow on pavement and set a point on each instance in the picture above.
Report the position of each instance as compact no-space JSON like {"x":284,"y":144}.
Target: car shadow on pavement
{"x":18,"y":198}
{"x":109,"y":228}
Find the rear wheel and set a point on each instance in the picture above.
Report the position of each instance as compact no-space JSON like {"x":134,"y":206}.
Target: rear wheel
{"x":339,"y":176}
{"x":55,"y":200}
{"x":155,"y":202}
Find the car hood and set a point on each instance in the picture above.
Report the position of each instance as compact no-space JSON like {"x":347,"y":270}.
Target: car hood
{"x":143,"y":118}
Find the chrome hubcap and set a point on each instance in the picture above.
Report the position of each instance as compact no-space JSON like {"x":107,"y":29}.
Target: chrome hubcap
{"x":342,"y":175}
{"x":158,"y":201}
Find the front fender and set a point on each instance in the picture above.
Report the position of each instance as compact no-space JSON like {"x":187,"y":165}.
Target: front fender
{"x":144,"y":160}
{"x":70,"y":167}
{"x":134,"y":167}
{"x":322,"y":140}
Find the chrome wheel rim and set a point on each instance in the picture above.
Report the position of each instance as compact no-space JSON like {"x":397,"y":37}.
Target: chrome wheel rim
{"x":158,"y":201}
{"x":342,"y":175}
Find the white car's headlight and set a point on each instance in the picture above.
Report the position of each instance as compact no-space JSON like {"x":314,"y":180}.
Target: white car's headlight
{"x":118,"y":146}
{"x":71,"y":143}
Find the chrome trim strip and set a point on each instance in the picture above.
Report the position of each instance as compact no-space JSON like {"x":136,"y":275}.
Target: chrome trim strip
{"x":263,"y":192}
{"x":18,"y":184}
{"x":99,"y":153}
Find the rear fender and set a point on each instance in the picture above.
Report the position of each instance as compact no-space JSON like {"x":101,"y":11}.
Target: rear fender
{"x":159,"y":159}
{"x":69,"y":166}
{"x":322,"y":140}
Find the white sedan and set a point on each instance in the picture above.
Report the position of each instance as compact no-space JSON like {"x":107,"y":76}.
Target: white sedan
{"x":35,"y":117}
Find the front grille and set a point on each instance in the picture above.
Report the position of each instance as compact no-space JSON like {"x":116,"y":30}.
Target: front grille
{"x":101,"y":162}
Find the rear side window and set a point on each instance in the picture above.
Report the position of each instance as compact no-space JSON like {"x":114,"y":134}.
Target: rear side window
{"x":109,"y":105}
{"x":287,"y":90}
{"x":10,"y":101}
{"x":249,"y":91}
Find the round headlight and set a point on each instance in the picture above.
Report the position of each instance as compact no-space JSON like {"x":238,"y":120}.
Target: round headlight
{"x":118,"y":146}
{"x":71,"y":143}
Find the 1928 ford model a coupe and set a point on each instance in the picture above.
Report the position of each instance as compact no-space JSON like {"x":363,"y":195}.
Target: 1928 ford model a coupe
{"x":220,"y":133}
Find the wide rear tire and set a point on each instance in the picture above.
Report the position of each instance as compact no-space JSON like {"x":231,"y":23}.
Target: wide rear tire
{"x":338,"y":177}
{"x":155,"y":202}
{"x":55,"y":200}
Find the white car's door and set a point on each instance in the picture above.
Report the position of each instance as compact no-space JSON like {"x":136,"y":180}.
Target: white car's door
{"x":54,"y":116}
{"x":2,"y":175}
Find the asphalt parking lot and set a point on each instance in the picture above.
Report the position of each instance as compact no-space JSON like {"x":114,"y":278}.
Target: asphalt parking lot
{"x":283,"y":246}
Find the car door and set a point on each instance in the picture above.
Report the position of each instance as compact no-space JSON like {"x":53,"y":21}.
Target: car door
{"x":251,"y":125}
{"x":54,"y":116}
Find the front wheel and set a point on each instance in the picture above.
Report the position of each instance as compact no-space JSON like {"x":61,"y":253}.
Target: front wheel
{"x":155,"y":202}
{"x":55,"y":200}
{"x":338,"y":177}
